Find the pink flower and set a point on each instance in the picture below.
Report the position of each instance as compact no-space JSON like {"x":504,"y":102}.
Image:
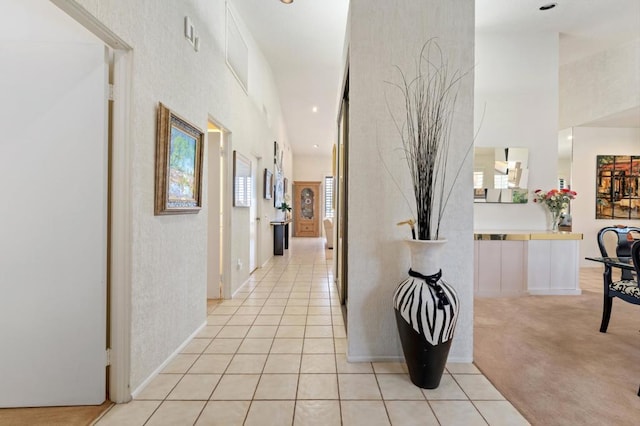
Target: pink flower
{"x":555,"y":200}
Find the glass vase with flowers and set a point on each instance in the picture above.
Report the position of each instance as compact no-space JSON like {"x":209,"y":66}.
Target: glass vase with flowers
{"x":556,"y":201}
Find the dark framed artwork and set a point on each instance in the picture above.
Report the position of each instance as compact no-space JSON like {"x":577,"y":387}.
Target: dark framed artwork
{"x":617,"y":187}
{"x":178,"y":174}
{"x":242,"y":180}
{"x":277,"y":156}
{"x":278,"y":191}
{"x":268,"y":184}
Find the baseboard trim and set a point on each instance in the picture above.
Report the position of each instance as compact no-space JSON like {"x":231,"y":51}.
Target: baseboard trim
{"x":498,"y":293}
{"x":240,"y":287}
{"x":157,"y":371}
{"x":351,"y":358}
{"x":551,"y":292}
{"x":460,"y":360}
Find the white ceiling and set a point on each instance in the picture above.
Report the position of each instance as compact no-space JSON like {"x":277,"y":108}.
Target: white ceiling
{"x":585,"y":26}
{"x":304,"y":44}
{"x":627,"y":118}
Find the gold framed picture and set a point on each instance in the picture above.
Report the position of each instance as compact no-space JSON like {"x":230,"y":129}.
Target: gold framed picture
{"x":179,"y":146}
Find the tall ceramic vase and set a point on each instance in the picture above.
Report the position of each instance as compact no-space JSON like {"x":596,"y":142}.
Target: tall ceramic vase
{"x":426,"y":311}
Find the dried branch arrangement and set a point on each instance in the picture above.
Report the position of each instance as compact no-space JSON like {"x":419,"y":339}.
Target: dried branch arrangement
{"x":429,"y":106}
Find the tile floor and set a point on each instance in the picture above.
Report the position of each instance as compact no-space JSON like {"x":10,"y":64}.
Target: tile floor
{"x":275,"y":355}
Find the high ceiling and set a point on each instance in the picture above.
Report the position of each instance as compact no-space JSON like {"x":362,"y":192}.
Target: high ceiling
{"x":304,"y":44}
{"x":585,"y":26}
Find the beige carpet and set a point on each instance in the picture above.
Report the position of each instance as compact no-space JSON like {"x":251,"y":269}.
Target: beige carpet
{"x":52,"y":416}
{"x":546,"y":355}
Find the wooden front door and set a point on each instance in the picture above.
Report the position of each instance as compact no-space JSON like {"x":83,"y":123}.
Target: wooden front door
{"x":306,"y":209}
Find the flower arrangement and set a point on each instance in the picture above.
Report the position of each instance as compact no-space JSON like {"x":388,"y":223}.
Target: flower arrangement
{"x":556,"y":200}
{"x":284,"y":207}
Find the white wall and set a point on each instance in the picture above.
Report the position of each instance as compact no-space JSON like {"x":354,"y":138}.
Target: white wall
{"x":311,"y":168}
{"x":169,"y":252}
{"x":600,"y":85}
{"x":589,"y":142}
{"x":516,"y":86}
{"x":384,"y":34}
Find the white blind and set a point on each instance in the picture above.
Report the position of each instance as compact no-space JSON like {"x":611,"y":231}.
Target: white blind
{"x":500,"y":181}
{"x":478,"y":178}
{"x":328,"y":196}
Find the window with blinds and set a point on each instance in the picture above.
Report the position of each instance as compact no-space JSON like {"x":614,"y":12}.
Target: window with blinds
{"x":328,"y":196}
{"x":478,"y":178}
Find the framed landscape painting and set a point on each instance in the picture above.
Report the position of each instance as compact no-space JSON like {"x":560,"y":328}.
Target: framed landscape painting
{"x":178,"y":177}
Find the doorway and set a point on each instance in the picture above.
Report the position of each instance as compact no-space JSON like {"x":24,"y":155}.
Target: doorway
{"x":215,"y":218}
{"x":54,"y":248}
{"x":218,"y":286}
{"x":306,"y":209}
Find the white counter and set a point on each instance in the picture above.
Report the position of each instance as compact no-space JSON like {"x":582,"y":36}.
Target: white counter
{"x":512,"y":263}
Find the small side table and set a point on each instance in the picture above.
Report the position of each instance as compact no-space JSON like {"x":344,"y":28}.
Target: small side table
{"x":280,"y":236}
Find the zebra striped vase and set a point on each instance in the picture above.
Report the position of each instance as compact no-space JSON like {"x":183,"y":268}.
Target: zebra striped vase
{"x":426,"y":310}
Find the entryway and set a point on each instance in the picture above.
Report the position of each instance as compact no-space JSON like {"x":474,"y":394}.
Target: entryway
{"x":306,"y":209}
{"x":218,"y":217}
{"x":69,"y":215}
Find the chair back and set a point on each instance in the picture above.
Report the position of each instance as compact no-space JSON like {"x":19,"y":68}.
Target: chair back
{"x":635,"y":255}
{"x":623,"y":240}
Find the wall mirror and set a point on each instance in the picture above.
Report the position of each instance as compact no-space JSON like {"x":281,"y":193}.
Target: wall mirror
{"x":500,"y":175}
{"x":565,"y":157}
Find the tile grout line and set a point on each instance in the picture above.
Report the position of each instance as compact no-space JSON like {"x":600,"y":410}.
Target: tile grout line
{"x":259,"y":379}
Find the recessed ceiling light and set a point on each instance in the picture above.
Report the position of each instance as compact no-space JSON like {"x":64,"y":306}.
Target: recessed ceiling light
{"x":287,"y":1}
{"x":314,"y":109}
{"x":316,"y":145}
{"x":544,"y":7}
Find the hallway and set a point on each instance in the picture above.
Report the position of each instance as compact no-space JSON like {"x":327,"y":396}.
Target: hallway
{"x":275,"y":355}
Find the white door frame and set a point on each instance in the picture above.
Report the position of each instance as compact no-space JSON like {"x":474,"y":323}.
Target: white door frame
{"x":227,"y":193}
{"x":218,"y":157}
{"x":121,"y":195}
{"x":121,"y":214}
{"x":256,"y":197}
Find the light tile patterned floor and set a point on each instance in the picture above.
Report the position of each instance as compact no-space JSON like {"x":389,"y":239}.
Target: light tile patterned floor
{"x":275,"y":355}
